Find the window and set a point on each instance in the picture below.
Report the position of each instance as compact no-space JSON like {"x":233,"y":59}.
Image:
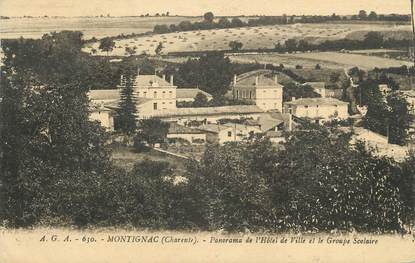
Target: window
{"x":229,"y":134}
{"x":138,"y":94}
{"x":145,"y":94}
{"x":170,"y":93}
{"x":155,"y":94}
{"x":164,"y":93}
{"x":250,"y":94}
{"x":237,"y":94}
{"x":164,"y":103}
{"x":306,"y":106}
{"x":155,"y":106}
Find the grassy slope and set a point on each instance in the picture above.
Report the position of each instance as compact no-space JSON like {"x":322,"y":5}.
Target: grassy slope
{"x":251,"y":37}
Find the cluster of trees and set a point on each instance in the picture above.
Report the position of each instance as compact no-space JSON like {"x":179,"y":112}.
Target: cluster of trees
{"x":372,"y":40}
{"x":51,"y":154}
{"x":293,"y":90}
{"x":387,"y":114}
{"x":212,"y":73}
{"x":223,"y":22}
{"x":373,"y":16}
{"x":403,"y":70}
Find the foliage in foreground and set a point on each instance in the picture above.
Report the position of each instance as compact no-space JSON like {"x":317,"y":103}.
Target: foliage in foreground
{"x":56,"y":168}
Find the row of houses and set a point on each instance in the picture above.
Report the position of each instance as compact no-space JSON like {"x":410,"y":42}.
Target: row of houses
{"x":267,"y":114}
{"x":270,"y":124}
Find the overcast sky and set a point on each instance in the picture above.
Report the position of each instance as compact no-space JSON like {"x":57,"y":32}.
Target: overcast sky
{"x":198,"y":7}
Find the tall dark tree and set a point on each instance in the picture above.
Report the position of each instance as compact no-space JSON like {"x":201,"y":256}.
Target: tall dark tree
{"x":106,"y":44}
{"x":200,"y":100}
{"x":159,"y":48}
{"x":362,"y":15}
{"x":373,"y":16}
{"x":235,"y":45}
{"x":127,"y":109}
{"x":208,"y":17}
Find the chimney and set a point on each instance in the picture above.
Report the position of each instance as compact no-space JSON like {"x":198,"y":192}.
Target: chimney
{"x":256,"y":80}
{"x":164,"y":76}
{"x":234,"y":79}
{"x":138,"y":72}
{"x":293,"y":99}
{"x":171,"y":80}
{"x":276,"y":79}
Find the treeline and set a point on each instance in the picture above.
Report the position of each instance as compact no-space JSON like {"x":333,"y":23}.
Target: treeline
{"x":372,"y":40}
{"x":403,"y":70}
{"x":224,"y":22}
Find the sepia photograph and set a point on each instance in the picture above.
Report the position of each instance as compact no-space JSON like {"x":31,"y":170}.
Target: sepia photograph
{"x":207,"y":131}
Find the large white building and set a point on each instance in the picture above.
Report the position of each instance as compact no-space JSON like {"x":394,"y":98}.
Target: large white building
{"x":265,"y":92}
{"x":156,"y":95}
{"x":318,"y":109}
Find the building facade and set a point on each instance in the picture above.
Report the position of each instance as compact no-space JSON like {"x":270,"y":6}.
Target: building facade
{"x":262,"y":91}
{"x":318,"y":109}
{"x":157,"y":94}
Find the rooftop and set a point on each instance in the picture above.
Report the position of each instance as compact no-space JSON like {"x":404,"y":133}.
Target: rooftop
{"x":317,"y":101}
{"x":180,"y":129}
{"x":150,"y":81}
{"x":262,"y":81}
{"x":182,"y":93}
{"x":238,"y":125}
{"x":315,"y":84}
{"x":236,"y":109}
{"x":215,"y":128}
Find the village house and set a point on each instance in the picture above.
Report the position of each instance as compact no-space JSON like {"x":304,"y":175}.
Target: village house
{"x":317,"y":109}
{"x":216,"y":133}
{"x":258,"y":89}
{"x":159,"y":95}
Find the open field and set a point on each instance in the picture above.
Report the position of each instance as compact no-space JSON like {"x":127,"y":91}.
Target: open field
{"x":325,"y":59}
{"x":124,"y":157}
{"x":251,"y":37}
{"x":91,"y":26}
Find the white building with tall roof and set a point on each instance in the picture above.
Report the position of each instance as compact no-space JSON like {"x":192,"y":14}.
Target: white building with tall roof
{"x":264,"y":92}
